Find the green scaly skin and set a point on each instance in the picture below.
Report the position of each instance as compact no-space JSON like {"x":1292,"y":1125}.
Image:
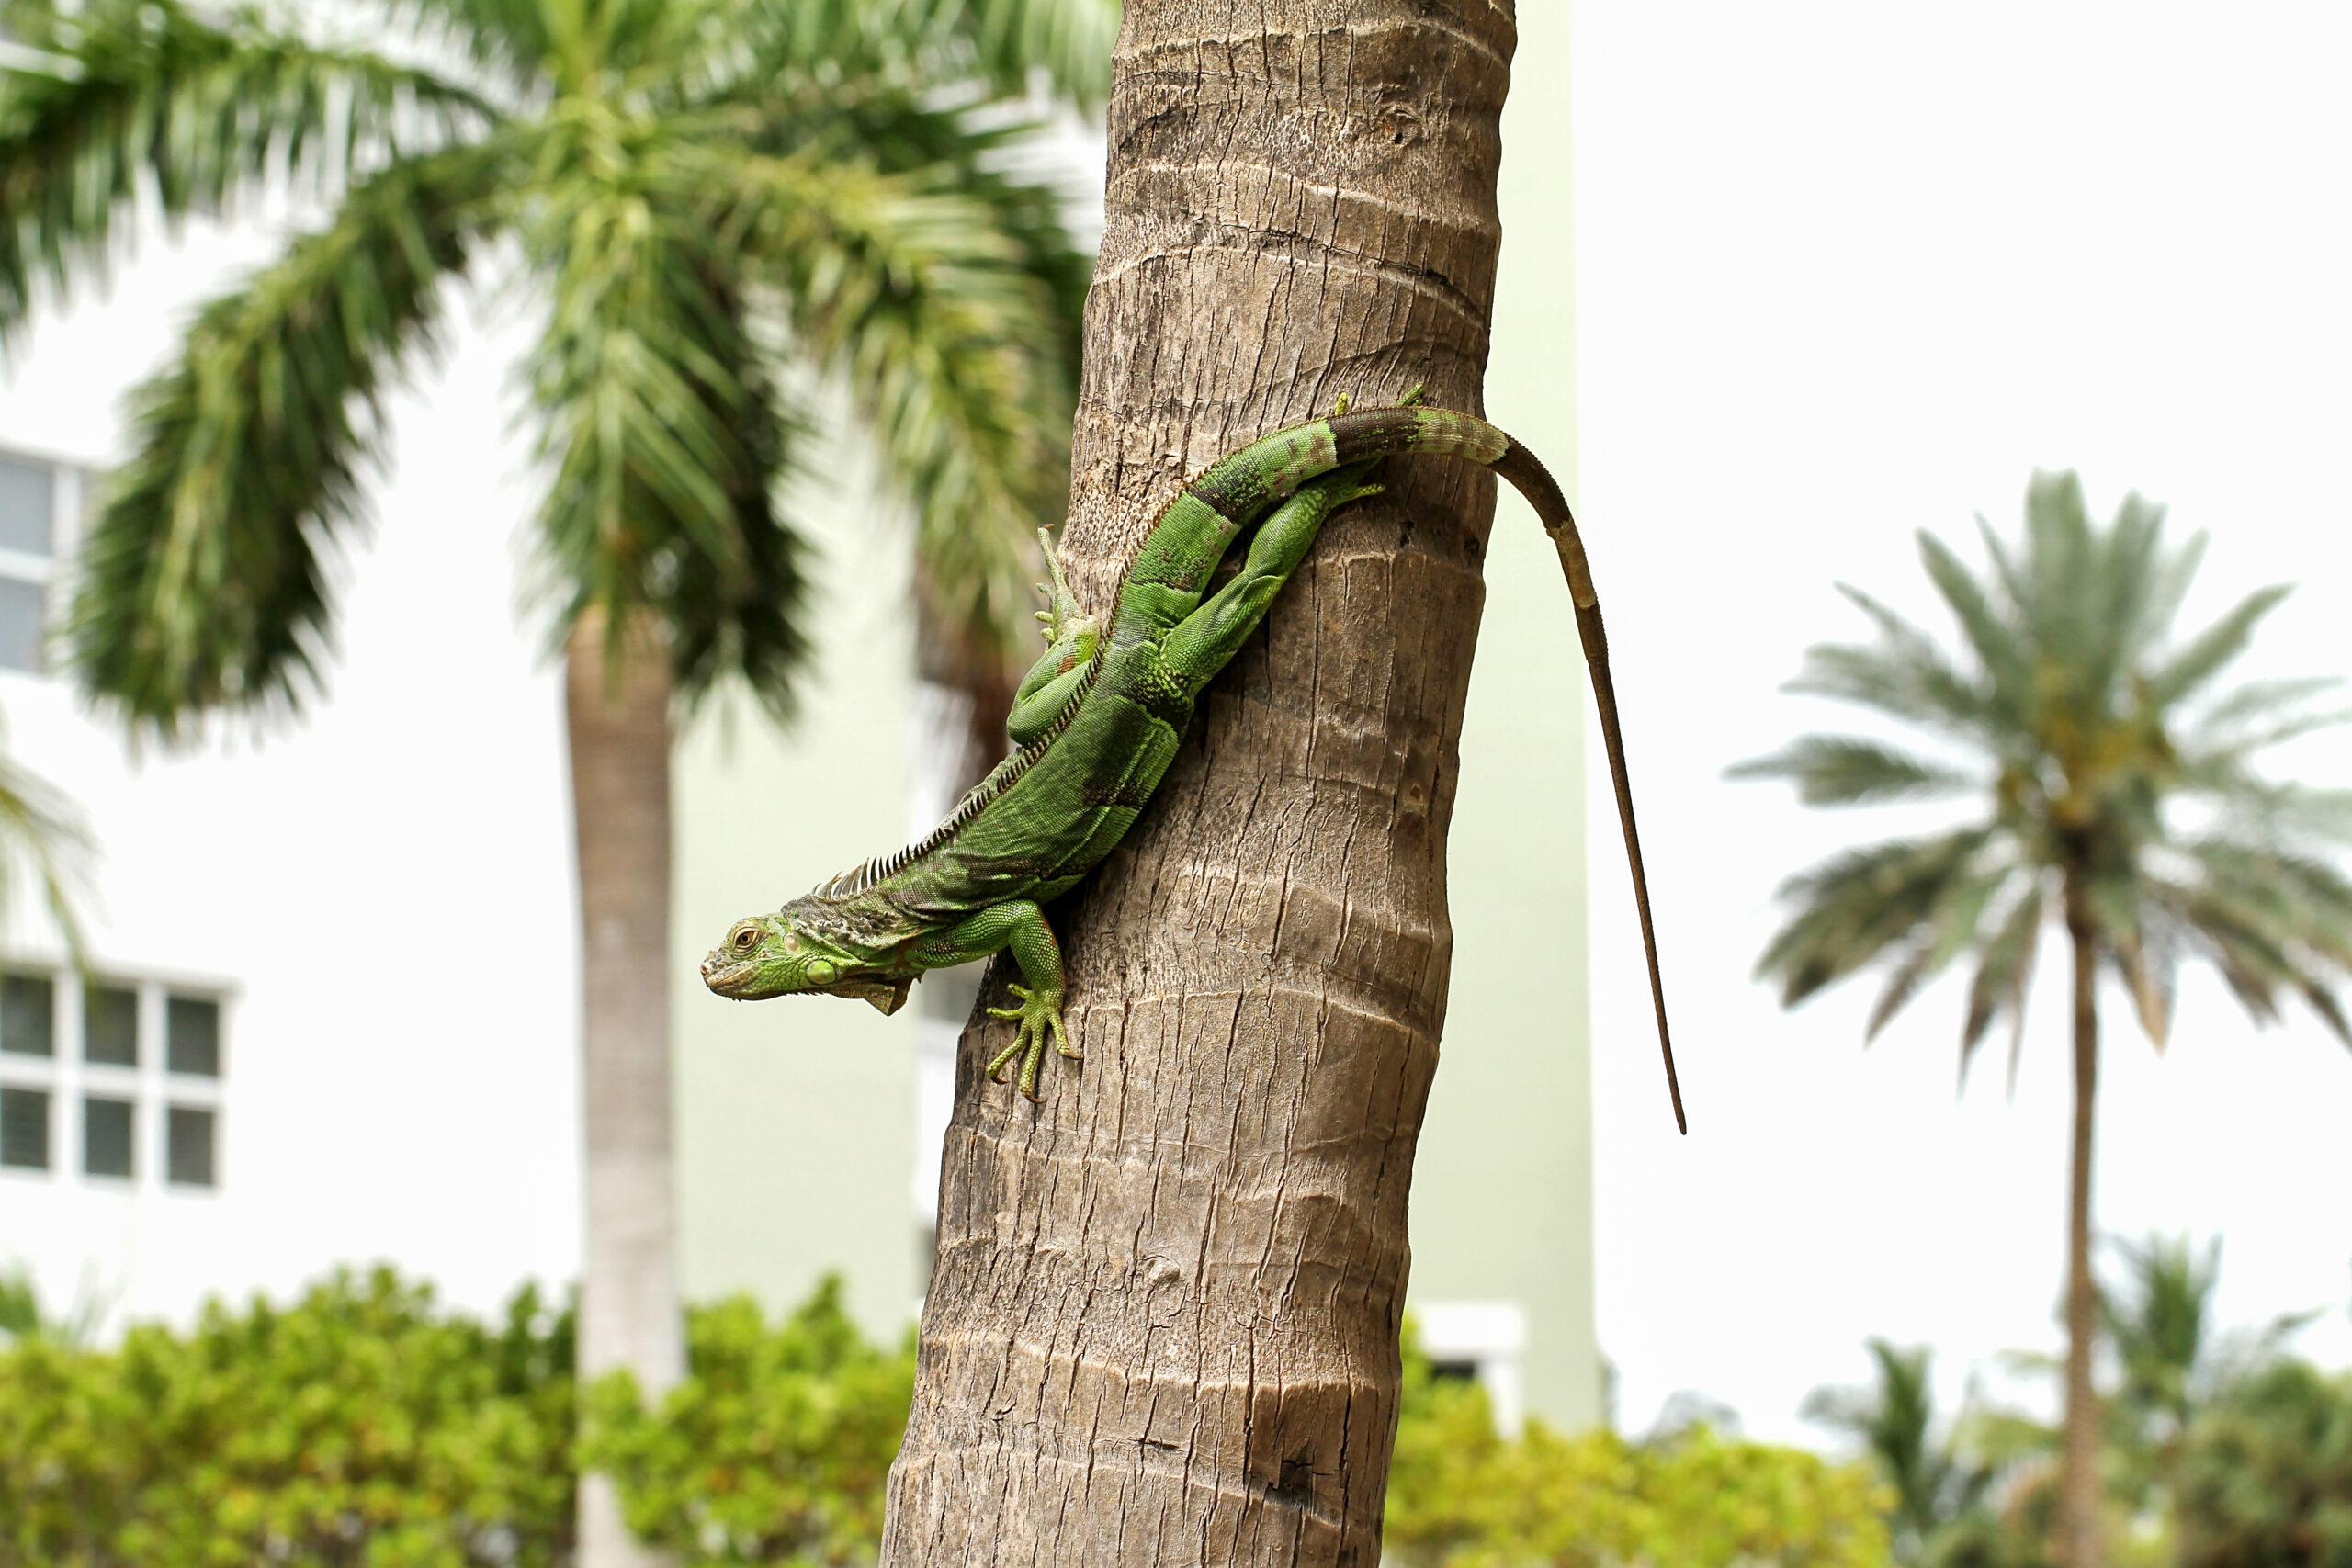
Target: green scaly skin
{"x":1098,"y":721}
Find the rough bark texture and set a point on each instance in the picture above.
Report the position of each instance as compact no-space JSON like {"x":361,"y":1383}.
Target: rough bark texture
{"x":620,"y":792}
{"x":1163,"y":1325}
{"x":2079,"y":1544}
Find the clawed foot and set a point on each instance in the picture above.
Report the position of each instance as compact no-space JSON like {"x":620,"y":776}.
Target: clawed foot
{"x":1411,"y":399}
{"x":1062,"y":618}
{"x":1040,"y":1013}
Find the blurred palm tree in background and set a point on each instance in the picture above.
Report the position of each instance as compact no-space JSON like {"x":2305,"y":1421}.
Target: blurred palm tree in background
{"x":2121,"y":801}
{"x":2216,"y":1444}
{"x":1936,"y":1487}
{"x":714,"y":206}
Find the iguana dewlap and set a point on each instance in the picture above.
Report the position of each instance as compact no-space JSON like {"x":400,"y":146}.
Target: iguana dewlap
{"x":1098,"y":719}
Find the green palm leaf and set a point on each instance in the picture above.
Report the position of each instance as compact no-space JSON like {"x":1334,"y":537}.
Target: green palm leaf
{"x":161,"y":101}
{"x":204,"y":579}
{"x":42,"y":834}
{"x":933,"y":313}
{"x":668,"y":439}
{"x":1846,"y":770}
{"x":2004,"y":971}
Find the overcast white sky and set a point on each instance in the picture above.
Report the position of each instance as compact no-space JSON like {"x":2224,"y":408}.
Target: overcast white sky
{"x":1846,"y":271}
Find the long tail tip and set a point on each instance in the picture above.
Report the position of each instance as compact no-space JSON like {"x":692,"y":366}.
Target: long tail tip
{"x":1673,"y":1078}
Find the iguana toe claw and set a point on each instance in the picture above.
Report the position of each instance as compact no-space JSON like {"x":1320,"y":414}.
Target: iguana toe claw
{"x":1040,"y":1016}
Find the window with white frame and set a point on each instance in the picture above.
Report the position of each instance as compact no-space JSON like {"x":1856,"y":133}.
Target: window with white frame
{"x":111,"y":1080}
{"x":1485,"y":1341}
{"x":38,"y":498}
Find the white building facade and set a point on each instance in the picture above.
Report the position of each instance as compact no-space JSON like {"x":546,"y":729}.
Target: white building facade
{"x":331,"y":1010}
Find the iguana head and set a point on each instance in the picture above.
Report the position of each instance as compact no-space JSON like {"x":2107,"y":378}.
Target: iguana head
{"x":775,"y":955}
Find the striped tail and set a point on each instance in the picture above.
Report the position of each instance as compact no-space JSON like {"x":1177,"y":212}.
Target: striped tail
{"x":1246,"y":482}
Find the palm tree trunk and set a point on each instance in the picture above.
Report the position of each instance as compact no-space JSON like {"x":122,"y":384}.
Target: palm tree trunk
{"x":618,"y":715}
{"x":2079,"y":1491}
{"x":1163,"y":1324}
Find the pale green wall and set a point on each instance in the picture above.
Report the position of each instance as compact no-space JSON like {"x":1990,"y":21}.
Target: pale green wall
{"x":1503,"y":1190}
{"x":795,"y":1117}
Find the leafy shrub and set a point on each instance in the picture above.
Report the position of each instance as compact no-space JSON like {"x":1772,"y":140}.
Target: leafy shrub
{"x":1461,"y":1496}
{"x":362,"y":1426}
{"x":2266,"y":1475}
{"x":775,"y":1450}
{"x":357,"y":1426}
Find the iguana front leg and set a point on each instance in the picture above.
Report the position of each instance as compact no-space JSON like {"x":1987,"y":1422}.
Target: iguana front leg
{"x":1020,"y":925}
{"x":1070,"y":638}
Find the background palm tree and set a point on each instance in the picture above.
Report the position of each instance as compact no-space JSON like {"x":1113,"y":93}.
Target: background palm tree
{"x":709,"y":199}
{"x":2121,"y":800}
{"x":1936,"y":1488}
{"x":2171,"y":1361}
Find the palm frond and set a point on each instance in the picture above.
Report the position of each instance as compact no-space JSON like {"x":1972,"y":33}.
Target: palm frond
{"x":2169,"y":584}
{"x":2260,"y":702}
{"x":2145,"y":954}
{"x":162,"y":101}
{"x":2271,"y":921}
{"x":2284,"y":814}
{"x":203,"y":582}
{"x":1069,"y":40}
{"x":41,"y":831}
{"x":1848,"y":769}
{"x":2212,"y":649}
{"x":930,"y":307}
{"x":2061,"y":565}
{"x":2006,"y":659}
{"x":1904,"y":675}
{"x":1948,"y":928}
{"x":505,"y":38}
{"x":2127,"y":577}
{"x":999,"y":42}
{"x":1850,"y":909}
{"x":2003,"y":970}
{"x":668,"y":439}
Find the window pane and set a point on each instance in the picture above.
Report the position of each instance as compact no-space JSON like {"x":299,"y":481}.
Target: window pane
{"x":28,"y":1012}
{"x":24,"y":1128}
{"x":24,"y":505}
{"x":192,"y":1036}
{"x":110,"y":1026}
{"x":188,"y":1159}
{"x":20,"y":624}
{"x":105,"y":1138}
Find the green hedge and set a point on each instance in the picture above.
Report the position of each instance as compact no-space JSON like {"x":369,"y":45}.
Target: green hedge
{"x":358,"y":1426}
{"x":364,"y":1426}
{"x":1461,"y":1496}
{"x":776,"y":1451}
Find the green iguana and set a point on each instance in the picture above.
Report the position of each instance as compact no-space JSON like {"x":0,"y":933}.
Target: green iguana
{"x":1098,"y":720}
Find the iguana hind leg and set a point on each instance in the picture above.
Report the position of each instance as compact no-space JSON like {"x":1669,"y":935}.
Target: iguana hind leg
{"x":1206,"y":641}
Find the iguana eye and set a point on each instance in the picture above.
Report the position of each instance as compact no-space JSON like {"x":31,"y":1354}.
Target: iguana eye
{"x":745,"y":937}
{"x":822,"y":972}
